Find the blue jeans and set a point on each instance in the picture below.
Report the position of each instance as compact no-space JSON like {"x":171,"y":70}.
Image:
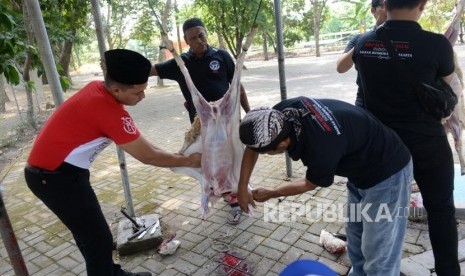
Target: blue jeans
{"x":377,"y":219}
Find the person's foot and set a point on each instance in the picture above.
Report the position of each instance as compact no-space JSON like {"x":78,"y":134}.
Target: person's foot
{"x":234,"y":216}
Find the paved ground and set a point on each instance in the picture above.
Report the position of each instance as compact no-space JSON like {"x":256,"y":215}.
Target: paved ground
{"x":48,"y":248}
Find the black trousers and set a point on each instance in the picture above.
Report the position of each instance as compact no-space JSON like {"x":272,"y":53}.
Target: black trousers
{"x":67,"y":193}
{"x":433,"y":169}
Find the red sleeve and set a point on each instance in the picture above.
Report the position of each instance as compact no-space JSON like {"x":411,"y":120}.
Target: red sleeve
{"x":119,"y":126}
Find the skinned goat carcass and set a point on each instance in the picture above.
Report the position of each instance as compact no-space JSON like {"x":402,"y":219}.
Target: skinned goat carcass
{"x":218,"y":138}
{"x":456,"y":122}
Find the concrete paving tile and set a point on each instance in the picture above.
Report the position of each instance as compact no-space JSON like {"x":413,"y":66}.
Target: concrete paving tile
{"x":59,"y":271}
{"x":411,"y":235}
{"x":309,"y":247}
{"x":344,"y":260}
{"x":338,"y":268}
{"x":329,"y":256}
{"x":280,"y":246}
{"x":42,"y":261}
{"x":426,"y":259}
{"x":260,"y":231}
{"x":202,"y":246}
{"x":462,"y":250}
{"x":413,"y":248}
{"x":184,"y":267}
{"x":409,"y":267}
{"x":292,"y":254}
{"x":266,"y":225}
{"x":253,"y":242}
{"x":263,"y":267}
{"x":67,"y":262}
{"x":278,"y":268}
{"x":169,"y":272}
{"x":152,"y":265}
{"x":194,"y":238}
{"x":292,"y":236}
{"x":48,"y":270}
{"x":423,"y":240}
{"x":195,"y":259}
{"x":80,"y":269}
{"x":242,"y":239}
{"x":311,"y":238}
{"x":316,"y":228}
{"x":280,"y":232}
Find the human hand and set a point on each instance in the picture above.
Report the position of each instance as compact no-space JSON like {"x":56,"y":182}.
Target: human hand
{"x":245,"y":198}
{"x":262,"y":194}
{"x":195,"y":159}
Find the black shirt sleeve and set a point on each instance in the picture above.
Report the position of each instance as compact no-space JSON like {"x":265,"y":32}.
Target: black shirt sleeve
{"x":352,"y":43}
{"x":445,"y":57}
{"x":168,"y":70}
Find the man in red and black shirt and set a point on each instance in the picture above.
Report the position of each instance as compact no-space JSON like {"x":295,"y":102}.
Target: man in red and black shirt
{"x":57,"y":168}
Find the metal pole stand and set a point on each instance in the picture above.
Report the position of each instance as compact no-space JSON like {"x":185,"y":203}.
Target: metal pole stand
{"x":9,"y":239}
{"x":138,"y":234}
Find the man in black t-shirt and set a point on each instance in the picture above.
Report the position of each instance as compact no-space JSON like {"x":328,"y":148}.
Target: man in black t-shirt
{"x":331,"y":138}
{"x":211,"y":69}
{"x":389,"y":96}
{"x":344,"y":63}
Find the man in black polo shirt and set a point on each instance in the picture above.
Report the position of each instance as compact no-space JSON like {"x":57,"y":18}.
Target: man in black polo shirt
{"x":389,"y":96}
{"x":211,"y":69}
{"x":331,"y":138}
{"x":344,"y":62}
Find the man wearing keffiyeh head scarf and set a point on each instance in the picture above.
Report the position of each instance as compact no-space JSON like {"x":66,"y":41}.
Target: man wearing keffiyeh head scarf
{"x":331,"y":138}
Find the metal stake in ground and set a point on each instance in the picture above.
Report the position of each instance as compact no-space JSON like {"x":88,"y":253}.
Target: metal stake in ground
{"x":9,"y":239}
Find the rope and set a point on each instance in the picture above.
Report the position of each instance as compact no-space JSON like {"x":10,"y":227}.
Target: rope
{"x":218,"y":244}
{"x":156,"y":17}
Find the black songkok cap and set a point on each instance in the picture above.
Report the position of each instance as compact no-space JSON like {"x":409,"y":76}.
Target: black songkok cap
{"x":192,"y":22}
{"x":127,"y":67}
{"x":263,"y":129}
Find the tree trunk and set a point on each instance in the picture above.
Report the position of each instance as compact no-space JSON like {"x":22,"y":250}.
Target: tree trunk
{"x":3,"y":96}
{"x":265,"y":47}
{"x":107,"y":28}
{"x":164,"y":23}
{"x":30,"y":118}
{"x":77,"y":57}
{"x":66,"y":55}
{"x":221,"y":42}
{"x":273,"y":42}
{"x":176,"y":23}
{"x":316,"y":28}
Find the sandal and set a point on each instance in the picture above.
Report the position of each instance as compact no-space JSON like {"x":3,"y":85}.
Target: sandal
{"x":234,"y":216}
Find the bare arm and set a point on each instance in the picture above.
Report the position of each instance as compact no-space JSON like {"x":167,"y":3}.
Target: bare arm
{"x":448,"y":78}
{"x":244,"y":100}
{"x":147,"y":153}
{"x":294,"y":188}
{"x":344,"y":63}
{"x":248,"y":163}
{"x":153,"y":71}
